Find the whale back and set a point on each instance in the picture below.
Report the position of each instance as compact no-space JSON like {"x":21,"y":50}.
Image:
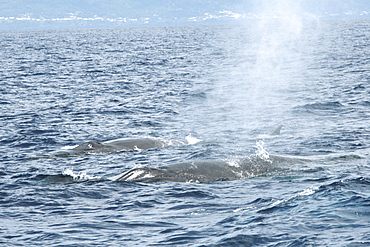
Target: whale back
{"x":203,"y":171}
{"x":135,"y":143}
{"x":92,"y":145}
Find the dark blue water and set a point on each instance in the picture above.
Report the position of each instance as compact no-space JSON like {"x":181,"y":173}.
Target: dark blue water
{"x":228,"y":86}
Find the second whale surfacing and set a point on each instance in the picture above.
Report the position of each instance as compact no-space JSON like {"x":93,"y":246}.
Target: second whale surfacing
{"x":126,"y":144}
{"x":119,"y":145}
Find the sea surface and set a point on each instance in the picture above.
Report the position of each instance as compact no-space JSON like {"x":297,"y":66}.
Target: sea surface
{"x":226,"y":86}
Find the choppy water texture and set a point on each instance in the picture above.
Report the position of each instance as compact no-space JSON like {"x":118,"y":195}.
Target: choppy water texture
{"x":228,"y":86}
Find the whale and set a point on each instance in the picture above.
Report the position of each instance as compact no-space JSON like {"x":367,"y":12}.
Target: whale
{"x":255,"y":165}
{"x":203,"y":171}
{"x":120,"y":145}
{"x":125,"y":144}
{"x":214,"y":170}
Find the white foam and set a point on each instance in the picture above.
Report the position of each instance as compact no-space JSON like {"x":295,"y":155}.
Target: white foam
{"x":69,"y":147}
{"x":79,"y":176}
{"x":233,"y":163}
{"x":308,"y":192}
{"x":192,"y":140}
{"x":305,"y":192}
{"x":261,"y":151}
{"x":136,"y":148}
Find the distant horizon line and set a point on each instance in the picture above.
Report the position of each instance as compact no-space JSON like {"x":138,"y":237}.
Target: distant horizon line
{"x":225,"y":16}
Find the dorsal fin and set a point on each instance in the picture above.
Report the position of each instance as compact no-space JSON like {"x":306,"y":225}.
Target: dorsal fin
{"x":277,"y":130}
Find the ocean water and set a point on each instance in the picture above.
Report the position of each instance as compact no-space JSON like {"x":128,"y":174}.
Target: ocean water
{"x":226,"y":86}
